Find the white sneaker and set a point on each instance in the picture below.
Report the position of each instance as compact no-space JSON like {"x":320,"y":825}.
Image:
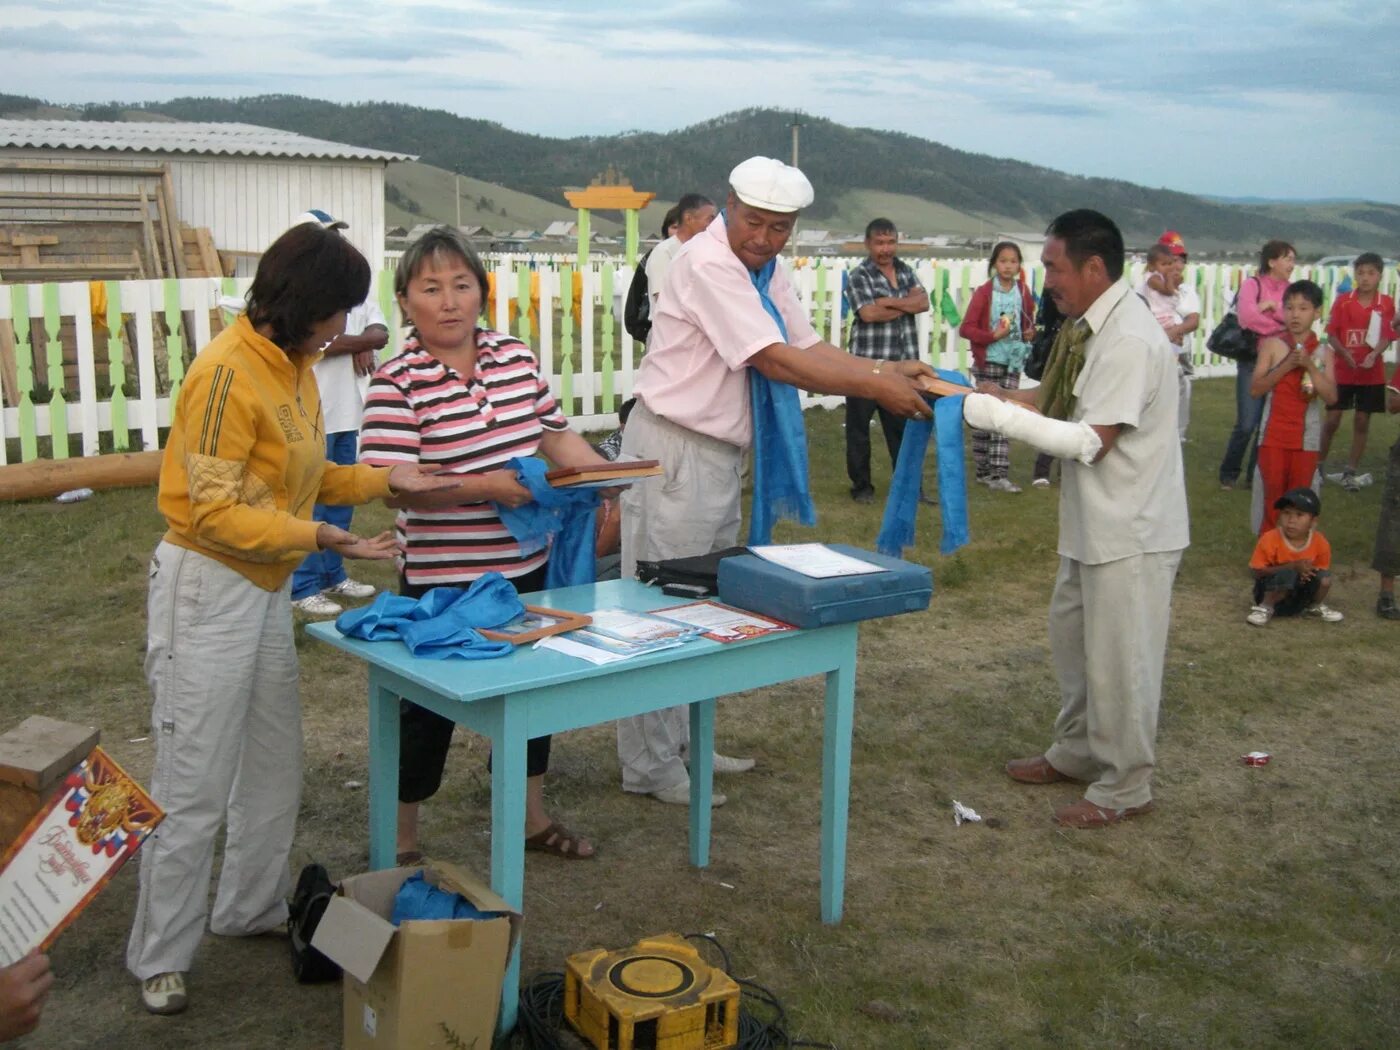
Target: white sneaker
{"x":679,"y":795}
{"x":1259,"y":616}
{"x":317,"y":605}
{"x":164,"y":993}
{"x":351,"y":589}
{"x":728,"y":764}
{"x":1041,"y":483}
{"x":1003,"y":485}
{"x":1323,"y":612}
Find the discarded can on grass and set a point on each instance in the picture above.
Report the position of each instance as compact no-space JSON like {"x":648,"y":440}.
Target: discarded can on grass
{"x":1257,"y":758}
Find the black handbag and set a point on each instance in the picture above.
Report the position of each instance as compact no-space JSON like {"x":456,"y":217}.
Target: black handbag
{"x":1231,"y":339}
{"x":313,"y":892}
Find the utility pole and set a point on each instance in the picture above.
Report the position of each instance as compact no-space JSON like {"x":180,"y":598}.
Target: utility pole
{"x":457,"y":187}
{"x":796,"y":126}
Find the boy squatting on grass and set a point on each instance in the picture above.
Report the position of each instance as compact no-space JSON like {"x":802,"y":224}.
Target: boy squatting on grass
{"x":1291,"y":563}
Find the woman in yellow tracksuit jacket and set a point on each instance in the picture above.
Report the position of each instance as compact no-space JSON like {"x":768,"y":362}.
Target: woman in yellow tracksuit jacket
{"x":244,"y":464}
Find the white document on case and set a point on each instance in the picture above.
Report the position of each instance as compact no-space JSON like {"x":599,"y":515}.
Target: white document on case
{"x":816,"y":560}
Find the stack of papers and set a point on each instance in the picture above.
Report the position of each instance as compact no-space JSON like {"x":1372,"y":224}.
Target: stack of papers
{"x":816,"y":560}
{"x":616,"y":634}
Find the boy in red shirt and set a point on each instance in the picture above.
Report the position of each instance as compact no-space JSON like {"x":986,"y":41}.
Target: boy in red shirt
{"x":1296,"y":378}
{"x":1359,"y":331}
{"x":1291,"y":563}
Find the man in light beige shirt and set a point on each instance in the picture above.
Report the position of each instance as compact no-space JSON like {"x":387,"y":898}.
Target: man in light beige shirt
{"x":1123,"y":528}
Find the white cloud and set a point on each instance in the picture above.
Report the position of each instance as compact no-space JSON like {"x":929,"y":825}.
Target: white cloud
{"x":1211,"y":100}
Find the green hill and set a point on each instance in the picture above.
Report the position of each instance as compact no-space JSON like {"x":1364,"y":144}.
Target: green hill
{"x":925,"y":186}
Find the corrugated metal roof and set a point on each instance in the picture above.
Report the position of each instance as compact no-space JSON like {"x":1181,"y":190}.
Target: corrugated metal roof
{"x":246,"y":140}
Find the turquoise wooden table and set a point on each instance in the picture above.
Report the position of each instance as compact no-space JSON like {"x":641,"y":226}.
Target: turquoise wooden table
{"x":532,"y":693}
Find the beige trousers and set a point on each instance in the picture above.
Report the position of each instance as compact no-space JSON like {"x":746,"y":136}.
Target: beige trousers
{"x":222,"y":664}
{"x":693,"y":509}
{"x":1108,"y":637}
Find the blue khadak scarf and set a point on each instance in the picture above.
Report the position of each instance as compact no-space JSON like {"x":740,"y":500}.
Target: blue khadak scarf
{"x":780,"y":488}
{"x":902,"y":505}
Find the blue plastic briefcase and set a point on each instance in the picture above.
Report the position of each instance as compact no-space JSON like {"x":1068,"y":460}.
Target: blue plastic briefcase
{"x":748,"y":582}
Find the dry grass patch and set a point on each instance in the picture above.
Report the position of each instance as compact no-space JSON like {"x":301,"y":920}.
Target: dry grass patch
{"x":1257,"y":907}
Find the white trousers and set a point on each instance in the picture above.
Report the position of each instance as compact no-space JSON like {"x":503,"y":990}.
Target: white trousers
{"x":1108,"y":638}
{"x":222,"y":665}
{"x":693,"y":510}
{"x":1183,"y":403}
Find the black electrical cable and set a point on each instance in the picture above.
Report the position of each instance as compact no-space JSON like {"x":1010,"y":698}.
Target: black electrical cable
{"x":762,"y":1019}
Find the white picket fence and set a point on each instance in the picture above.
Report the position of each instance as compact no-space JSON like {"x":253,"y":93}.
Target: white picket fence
{"x":589,"y":359}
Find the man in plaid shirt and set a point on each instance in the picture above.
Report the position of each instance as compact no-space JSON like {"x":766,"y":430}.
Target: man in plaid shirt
{"x":884,"y":295}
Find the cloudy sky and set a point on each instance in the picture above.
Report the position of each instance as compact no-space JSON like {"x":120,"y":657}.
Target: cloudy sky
{"x":1276,"y":99}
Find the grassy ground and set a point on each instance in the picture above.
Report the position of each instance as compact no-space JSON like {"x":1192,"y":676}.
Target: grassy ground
{"x":1256,"y":907}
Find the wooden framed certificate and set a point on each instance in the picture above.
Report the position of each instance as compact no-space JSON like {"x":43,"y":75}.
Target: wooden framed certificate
{"x":538,"y":622}
{"x":69,"y":851}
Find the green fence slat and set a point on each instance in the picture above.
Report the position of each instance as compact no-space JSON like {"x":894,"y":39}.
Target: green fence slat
{"x":389,"y":307}
{"x":522,"y":300}
{"x":53,"y":354}
{"x":821,"y":314}
{"x":605,"y":288}
{"x":175,"y":340}
{"x":24,"y":373}
{"x":116,"y":368}
{"x":566,"y":340}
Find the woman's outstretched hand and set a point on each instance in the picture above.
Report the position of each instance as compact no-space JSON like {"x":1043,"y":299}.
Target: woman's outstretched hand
{"x":348,"y":545}
{"x":414,"y":477}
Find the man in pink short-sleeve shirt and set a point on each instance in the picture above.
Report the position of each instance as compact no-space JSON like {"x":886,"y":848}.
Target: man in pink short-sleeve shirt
{"x":693,"y":415}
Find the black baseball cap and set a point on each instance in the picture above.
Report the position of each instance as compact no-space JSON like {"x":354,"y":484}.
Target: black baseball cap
{"x":1304,"y":499}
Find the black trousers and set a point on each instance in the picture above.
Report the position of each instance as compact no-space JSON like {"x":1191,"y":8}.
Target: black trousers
{"x":424,"y":736}
{"x":859,"y":412}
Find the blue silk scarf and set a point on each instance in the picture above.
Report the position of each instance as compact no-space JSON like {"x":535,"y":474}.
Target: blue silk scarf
{"x":902,"y":505}
{"x":443,"y":623}
{"x":780,"y":485}
{"x":561,"y":519}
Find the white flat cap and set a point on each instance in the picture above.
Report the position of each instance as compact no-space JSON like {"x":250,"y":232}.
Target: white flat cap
{"x":762,"y":182}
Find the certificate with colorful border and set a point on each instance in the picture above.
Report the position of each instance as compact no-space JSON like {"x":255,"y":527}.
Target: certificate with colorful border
{"x":69,"y":851}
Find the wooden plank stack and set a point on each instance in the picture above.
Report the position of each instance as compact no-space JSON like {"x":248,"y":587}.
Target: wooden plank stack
{"x":125,"y":229}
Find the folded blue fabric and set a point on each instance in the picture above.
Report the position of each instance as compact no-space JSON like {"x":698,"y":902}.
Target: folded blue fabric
{"x":419,"y":900}
{"x":902,"y":504}
{"x":441,"y":624}
{"x":780,"y":478}
{"x":558,"y":518}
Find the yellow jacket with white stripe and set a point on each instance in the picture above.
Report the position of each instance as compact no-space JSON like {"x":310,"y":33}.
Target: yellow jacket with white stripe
{"x":245,"y":461}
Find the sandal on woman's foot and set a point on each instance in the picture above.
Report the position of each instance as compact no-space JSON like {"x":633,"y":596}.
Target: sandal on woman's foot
{"x":558,"y":840}
{"x":408,"y":858}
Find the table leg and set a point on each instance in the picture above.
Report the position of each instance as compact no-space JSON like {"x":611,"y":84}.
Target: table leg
{"x":836,"y":783}
{"x":383,"y":774}
{"x":702,"y":760}
{"x":508,"y":836}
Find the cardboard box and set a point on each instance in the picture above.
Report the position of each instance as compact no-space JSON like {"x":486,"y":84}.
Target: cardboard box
{"x":35,"y":756}
{"x":421,"y":985}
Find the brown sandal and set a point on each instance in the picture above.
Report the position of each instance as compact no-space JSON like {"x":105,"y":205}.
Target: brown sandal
{"x":408,"y":858}
{"x":559,"y":841}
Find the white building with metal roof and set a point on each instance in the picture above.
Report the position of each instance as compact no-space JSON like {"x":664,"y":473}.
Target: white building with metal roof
{"x":245,"y":183}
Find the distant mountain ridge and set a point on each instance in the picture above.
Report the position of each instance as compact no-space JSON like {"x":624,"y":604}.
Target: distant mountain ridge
{"x":849,"y":166}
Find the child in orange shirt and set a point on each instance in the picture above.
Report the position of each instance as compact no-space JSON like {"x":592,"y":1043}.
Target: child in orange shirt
{"x":1291,"y":563}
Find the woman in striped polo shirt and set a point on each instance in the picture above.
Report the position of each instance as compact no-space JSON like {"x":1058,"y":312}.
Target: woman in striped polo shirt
{"x":463,"y":400}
